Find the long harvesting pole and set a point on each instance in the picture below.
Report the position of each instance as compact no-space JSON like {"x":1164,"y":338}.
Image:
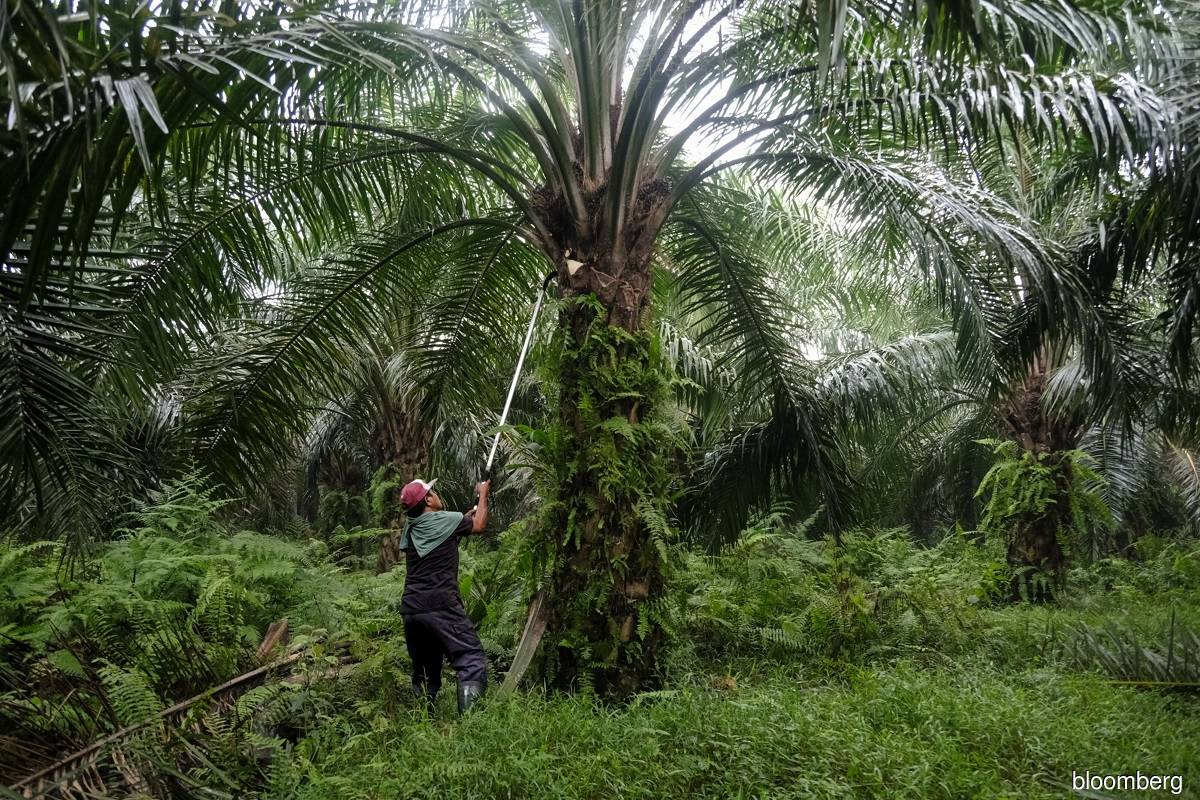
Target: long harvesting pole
{"x":512,"y":387}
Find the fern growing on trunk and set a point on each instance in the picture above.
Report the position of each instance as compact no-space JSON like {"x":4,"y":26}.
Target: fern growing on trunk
{"x":1043,"y":504}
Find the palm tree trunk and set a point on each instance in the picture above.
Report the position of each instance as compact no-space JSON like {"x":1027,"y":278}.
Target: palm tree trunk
{"x":1035,"y":553}
{"x":402,"y":447}
{"x":611,"y":465}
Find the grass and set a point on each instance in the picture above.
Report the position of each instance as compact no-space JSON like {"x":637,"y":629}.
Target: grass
{"x":796,"y":670}
{"x":902,"y":731}
{"x":933,"y":695}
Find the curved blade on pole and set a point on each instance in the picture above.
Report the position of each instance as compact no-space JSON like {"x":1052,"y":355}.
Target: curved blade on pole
{"x":512,"y":387}
{"x":535,"y":626}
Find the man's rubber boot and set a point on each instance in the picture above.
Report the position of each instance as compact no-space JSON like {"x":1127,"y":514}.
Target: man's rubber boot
{"x":424,"y":697}
{"x":468,"y":693}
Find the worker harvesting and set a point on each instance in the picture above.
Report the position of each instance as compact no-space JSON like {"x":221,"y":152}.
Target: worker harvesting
{"x":436,"y":625}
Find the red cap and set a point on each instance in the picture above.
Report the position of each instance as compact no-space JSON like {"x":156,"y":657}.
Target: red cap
{"x":414,"y":492}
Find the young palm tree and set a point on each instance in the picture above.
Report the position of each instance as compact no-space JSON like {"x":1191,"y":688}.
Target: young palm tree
{"x":366,"y":157}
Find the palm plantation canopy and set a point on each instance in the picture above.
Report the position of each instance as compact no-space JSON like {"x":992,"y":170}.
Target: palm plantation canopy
{"x":802,"y":250}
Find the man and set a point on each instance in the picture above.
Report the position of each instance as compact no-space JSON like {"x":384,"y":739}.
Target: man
{"x":436,"y":625}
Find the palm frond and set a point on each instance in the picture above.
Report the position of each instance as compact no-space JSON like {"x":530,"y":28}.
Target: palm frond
{"x":285,"y":355}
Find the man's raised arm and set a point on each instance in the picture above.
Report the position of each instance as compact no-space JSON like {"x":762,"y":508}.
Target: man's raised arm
{"x":481,"y":509}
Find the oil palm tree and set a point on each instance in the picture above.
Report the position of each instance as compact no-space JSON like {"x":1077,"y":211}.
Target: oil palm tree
{"x":174,"y":159}
{"x":1106,"y":388}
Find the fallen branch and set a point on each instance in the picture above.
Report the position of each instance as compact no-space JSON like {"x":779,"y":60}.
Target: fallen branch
{"x":38,"y":783}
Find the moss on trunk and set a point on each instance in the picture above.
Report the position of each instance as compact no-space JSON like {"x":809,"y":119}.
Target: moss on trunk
{"x":610,"y":457}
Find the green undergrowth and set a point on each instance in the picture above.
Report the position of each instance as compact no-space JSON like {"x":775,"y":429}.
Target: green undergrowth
{"x":902,"y":731}
{"x":874,"y":597}
{"x":176,"y":603}
{"x":802,"y":668}
{"x":877,"y":597}
{"x":873,"y":667}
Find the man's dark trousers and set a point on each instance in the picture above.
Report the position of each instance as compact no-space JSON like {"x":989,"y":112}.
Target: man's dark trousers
{"x":443,"y":633}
